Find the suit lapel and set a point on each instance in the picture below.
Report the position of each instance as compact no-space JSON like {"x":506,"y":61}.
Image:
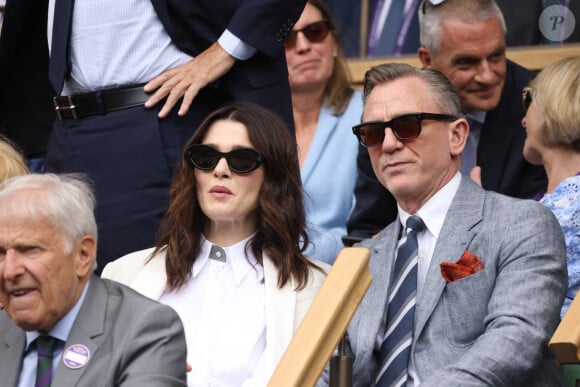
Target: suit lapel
{"x":326,"y":125}
{"x":89,"y":324}
{"x":280,"y":315}
{"x":496,"y":138}
{"x":12,"y":341}
{"x":493,"y":150}
{"x":465,"y":212}
{"x":372,"y":307}
{"x":151,"y":280}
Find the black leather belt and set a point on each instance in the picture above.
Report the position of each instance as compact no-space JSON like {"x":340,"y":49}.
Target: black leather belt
{"x":99,"y":102}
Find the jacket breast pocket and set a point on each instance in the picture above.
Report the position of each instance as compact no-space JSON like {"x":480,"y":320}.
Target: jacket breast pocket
{"x":465,"y":304}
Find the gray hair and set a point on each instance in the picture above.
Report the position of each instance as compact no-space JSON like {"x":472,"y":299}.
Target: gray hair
{"x":431,"y":18}
{"x":442,"y":91}
{"x":67,"y":201}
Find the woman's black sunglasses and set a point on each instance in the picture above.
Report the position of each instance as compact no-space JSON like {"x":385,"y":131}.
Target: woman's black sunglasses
{"x":526,"y":98}
{"x":314,"y":32}
{"x":241,"y":160}
{"x":404,"y":127}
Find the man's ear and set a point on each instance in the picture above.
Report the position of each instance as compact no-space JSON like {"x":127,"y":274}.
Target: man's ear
{"x":424,"y":57}
{"x":86,"y":250}
{"x":458,"y":136}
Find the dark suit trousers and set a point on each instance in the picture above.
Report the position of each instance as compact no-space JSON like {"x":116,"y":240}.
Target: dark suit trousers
{"x":130,"y":156}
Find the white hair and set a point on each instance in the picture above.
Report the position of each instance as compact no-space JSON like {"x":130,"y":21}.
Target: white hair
{"x":431,"y":18}
{"x":67,"y":201}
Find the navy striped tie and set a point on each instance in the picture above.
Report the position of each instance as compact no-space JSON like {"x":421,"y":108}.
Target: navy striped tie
{"x":44,"y":349}
{"x":396,"y":347}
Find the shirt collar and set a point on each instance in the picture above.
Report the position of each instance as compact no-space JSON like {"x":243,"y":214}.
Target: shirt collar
{"x":477,"y":115}
{"x":63,"y":327}
{"x":240,"y":260}
{"x":434,"y":210}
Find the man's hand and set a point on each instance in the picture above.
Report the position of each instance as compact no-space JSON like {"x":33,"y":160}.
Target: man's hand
{"x":188,"y":79}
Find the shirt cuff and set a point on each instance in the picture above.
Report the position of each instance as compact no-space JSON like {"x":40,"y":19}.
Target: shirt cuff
{"x":235,"y":46}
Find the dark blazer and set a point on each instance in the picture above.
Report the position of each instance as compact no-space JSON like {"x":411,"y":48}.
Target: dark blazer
{"x":26,"y":111}
{"x":522,"y":21}
{"x":133,"y":341}
{"x":499,"y":154}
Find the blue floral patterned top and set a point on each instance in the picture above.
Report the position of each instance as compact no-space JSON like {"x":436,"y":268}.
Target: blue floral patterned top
{"x":564,"y":202}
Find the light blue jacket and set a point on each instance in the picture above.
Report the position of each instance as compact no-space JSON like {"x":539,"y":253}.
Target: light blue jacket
{"x":328,"y":176}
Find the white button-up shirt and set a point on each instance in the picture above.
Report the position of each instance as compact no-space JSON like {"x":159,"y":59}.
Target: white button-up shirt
{"x":223,"y":310}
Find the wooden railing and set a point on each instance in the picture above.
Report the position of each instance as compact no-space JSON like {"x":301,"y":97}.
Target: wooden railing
{"x":532,"y":57}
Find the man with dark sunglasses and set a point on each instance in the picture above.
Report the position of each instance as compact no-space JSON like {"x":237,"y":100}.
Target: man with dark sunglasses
{"x":471,"y":54}
{"x":404,"y":127}
{"x":467,"y":283}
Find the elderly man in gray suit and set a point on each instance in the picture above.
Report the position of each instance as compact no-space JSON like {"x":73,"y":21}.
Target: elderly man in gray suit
{"x":468,"y":292}
{"x":61,"y":324}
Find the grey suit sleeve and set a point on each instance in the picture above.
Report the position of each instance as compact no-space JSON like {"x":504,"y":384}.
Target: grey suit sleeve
{"x":156,"y":350}
{"x":525,"y":283}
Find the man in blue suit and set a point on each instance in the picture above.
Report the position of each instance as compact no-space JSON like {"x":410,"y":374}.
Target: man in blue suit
{"x":135,"y":78}
{"x":471,"y":53}
{"x":469,"y":292}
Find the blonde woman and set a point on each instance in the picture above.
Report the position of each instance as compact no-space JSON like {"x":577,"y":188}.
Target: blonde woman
{"x":11,"y":161}
{"x":11,"y":164}
{"x":552,"y":122}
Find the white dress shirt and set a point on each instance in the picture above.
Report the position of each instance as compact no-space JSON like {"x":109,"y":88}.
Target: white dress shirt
{"x":61,"y":332}
{"x":119,"y":43}
{"x":433,"y":215}
{"x":223,"y":310}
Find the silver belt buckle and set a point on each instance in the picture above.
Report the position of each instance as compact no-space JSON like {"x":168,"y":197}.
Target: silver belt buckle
{"x":59,"y":109}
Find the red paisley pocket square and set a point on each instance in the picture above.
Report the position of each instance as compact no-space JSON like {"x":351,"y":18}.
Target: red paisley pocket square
{"x":467,"y":265}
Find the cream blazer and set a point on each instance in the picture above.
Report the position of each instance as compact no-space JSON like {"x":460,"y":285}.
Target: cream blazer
{"x":285,"y":307}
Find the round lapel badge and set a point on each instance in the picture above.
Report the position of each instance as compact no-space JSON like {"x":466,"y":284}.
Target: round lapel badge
{"x":76,"y":356}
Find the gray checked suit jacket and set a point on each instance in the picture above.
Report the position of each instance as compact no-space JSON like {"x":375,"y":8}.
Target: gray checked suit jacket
{"x":487,"y":329}
{"x":133,"y":341}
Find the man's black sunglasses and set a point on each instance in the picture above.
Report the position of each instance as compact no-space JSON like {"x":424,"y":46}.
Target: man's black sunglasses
{"x":241,"y":160}
{"x":314,"y":32}
{"x":526,"y":98}
{"x":404,"y":127}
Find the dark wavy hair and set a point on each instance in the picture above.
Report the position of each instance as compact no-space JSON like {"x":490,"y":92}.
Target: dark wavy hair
{"x":281,"y":225}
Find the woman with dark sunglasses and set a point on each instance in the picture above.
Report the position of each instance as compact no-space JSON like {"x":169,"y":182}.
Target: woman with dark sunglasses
{"x":229,"y":258}
{"x":325,"y":108}
{"x":552,"y":122}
